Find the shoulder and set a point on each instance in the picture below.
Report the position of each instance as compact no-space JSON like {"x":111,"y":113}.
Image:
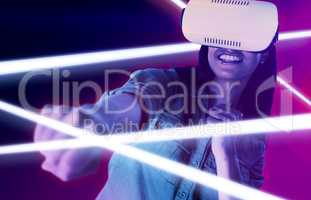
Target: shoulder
{"x":155,"y":74}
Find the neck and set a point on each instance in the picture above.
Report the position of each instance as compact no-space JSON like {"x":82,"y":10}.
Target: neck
{"x":231,"y":91}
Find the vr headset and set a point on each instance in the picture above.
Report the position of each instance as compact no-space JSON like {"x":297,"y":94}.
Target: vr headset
{"x":246,"y":25}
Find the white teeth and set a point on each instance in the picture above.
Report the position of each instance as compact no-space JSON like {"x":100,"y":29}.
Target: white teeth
{"x":228,"y":58}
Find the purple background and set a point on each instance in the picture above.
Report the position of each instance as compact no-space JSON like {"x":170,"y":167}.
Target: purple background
{"x":288,"y":164}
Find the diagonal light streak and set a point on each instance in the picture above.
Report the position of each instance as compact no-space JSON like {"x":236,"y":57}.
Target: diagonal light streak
{"x":192,"y":174}
{"x":297,"y":93}
{"x":179,"y":3}
{"x":269,"y":126}
{"x":16,"y":66}
{"x":295,"y":35}
{"x":74,"y":60}
{"x":247,"y":127}
{"x":26,"y":65}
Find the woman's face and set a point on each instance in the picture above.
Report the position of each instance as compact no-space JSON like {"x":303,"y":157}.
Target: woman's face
{"x":233,"y":64}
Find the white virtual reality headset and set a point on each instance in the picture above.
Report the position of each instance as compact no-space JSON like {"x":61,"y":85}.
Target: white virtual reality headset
{"x":246,"y":25}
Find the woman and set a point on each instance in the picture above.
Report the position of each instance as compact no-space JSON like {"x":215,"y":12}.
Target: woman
{"x":230,"y":77}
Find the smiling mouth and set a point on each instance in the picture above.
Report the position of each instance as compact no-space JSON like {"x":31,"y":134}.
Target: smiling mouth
{"x":227,"y":58}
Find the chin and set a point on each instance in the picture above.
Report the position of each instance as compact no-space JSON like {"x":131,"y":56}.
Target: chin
{"x":228,"y":75}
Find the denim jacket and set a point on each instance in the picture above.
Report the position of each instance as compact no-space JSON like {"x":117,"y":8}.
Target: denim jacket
{"x":131,"y":180}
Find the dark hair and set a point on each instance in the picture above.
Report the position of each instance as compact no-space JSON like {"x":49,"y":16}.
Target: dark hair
{"x":247,"y":103}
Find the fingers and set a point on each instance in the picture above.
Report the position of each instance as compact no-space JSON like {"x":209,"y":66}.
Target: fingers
{"x":72,"y":117}
{"x":42,"y":133}
{"x":58,"y":113}
{"x":63,"y":168}
{"x":60,"y":172}
{"x":52,"y":158}
{"x":60,"y":163}
{"x":40,"y":130}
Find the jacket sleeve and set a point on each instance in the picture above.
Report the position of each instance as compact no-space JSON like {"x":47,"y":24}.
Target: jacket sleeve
{"x":150,"y":86}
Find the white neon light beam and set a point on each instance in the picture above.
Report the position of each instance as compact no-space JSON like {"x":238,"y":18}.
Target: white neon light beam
{"x":192,"y":174}
{"x":25,"y":65}
{"x":295,"y":35}
{"x":266,"y":125}
{"x":179,"y":3}
{"x":16,"y":66}
{"x":33,"y":64}
{"x":206,"y":179}
{"x":275,"y":125}
{"x":297,"y":93}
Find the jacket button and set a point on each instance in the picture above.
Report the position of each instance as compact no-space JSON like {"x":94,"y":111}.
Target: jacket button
{"x":182,"y":194}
